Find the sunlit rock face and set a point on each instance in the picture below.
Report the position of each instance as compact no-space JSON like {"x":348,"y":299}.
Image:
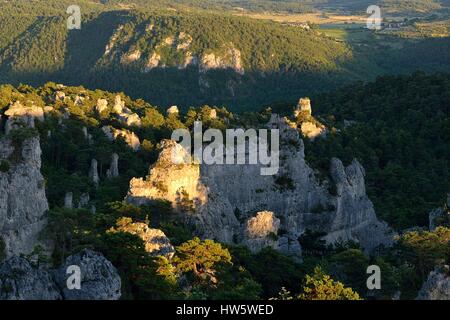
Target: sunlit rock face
{"x":180,"y":184}
{"x":130,"y":137}
{"x":221,"y":200}
{"x":309,"y":126}
{"x":22,"y":195}
{"x":437,"y":285}
{"x":230,"y":58}
{"x":155,"y":241}
{"x":261,"y":231}
{"x":312,"y":130}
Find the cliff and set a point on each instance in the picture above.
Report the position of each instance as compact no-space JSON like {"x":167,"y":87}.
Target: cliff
{"x":437,"y":285}
{"x":223,"y":201}
{"x":22,"y":195}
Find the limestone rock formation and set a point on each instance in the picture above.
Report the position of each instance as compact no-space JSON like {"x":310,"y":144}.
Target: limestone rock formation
{"x":263,"y":224}
{"x":437,"y":285}
{"x":304,"y":105}
{"x":354,"y":216}
{"x":20,"y":116}
{"x":19,"y":280}
{"x":219,"y":199}
{"x":68,"y":200}
{"x":308,"y":125}
{"x":312,"y":130}
{"x":124,"y":114}
{"x":102,"y":105}
{"x":153,"y":62}
{"x":168,"y":181}
{"x":261,"y":231}
{"x":131,"y":56}
{"x":155,"y":241}
{"x":18,"y":110}
{"x":93,"y":172}
{"x":130,"y":137}
{"x":99,"y":278}
{"x":22,"y":196}
{"x":83,"y":201}
{"x":231,"y":58}
{"x":172,"y":109}
{"x":113,"y":170}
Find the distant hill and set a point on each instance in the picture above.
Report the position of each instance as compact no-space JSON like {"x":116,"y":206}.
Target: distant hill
{"x":192,"y":57}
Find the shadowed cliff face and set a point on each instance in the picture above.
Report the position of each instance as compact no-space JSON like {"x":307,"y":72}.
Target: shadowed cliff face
{"x":22,"y":195}
{"x":222,"y":201}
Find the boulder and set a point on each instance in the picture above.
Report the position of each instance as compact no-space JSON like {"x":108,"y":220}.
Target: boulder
{"x":99,"y":278}
{"x":19,"y":280}
{"x":22,"y":196}
{"x":437,"y":285}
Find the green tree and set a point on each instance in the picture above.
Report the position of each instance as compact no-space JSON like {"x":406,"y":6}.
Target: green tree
{"x":201,"y":258}
{"x":320,"y":286}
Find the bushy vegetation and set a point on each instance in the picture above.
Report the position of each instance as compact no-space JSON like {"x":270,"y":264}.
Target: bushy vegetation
{"x":281,"y":62}
{"x":400,"y":133}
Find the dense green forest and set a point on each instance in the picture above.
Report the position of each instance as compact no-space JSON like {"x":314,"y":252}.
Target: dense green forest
{"x":399,"y":129}
{"x":279,"y":62}
{"x":397,"y":126}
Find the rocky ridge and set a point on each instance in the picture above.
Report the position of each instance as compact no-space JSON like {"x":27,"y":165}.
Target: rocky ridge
{"x":221,"y":201}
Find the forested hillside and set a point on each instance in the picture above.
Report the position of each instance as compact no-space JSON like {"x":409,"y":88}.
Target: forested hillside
{"x":397,"y":126}
{"x":193,"y":57}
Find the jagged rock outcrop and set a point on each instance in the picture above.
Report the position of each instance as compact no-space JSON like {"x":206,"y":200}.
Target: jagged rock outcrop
{"x":113,"y":170}
{"x":261,"y":231}
{"x":155,"y":241}
{"x":304,"y":105}
{"x":18,"y":110}
{"x":219,"y":199}
{"x":230,"y":58}
{"x":20,"y":116}
{"x":83,"y":201}
{"x":93,"y":172}
{"x":124,"y":114}
{"x":179,"y":184}
{"x":68,"y":200}
{"x":312,"y":130}
{"x":22,"y":195}
{"x":102,"y":105}
{"x":130,"y":137}
{"x":172,"y":109}
{"x":308,"y":125}
{"x":437,"y":285}
{"x":99,"y":278}
{"x":354,"y":216}
{"x":19,"y":280}
{"x":131,"y":56}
